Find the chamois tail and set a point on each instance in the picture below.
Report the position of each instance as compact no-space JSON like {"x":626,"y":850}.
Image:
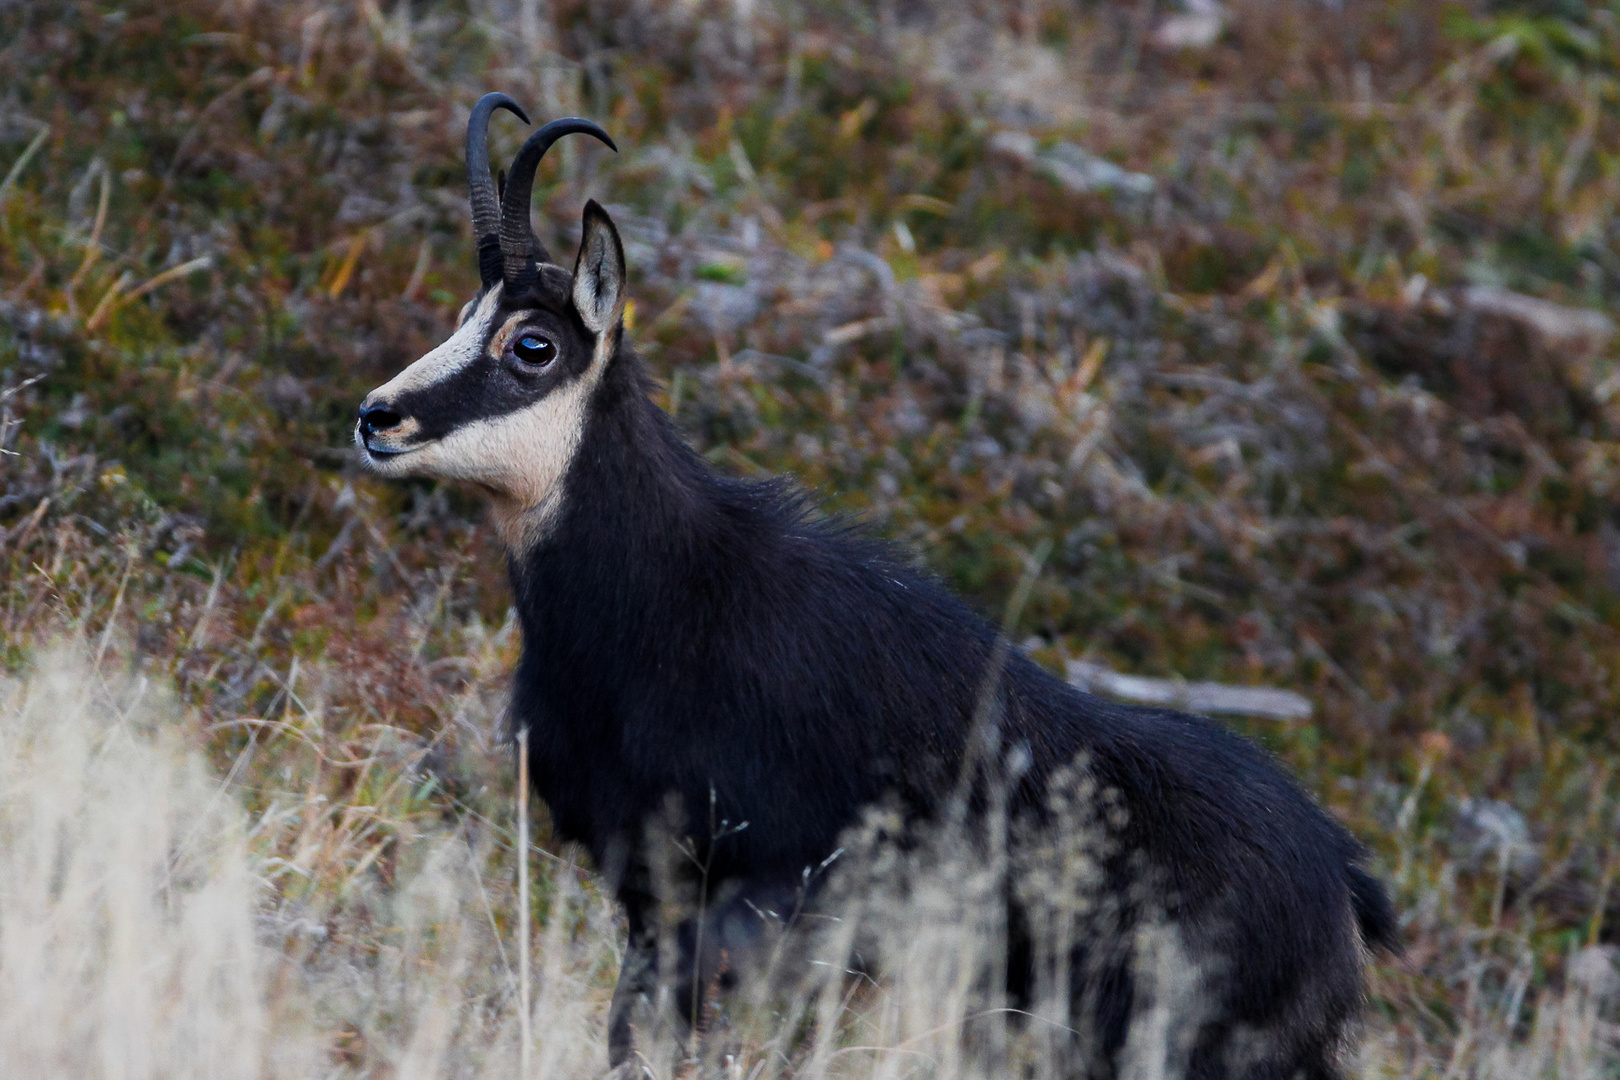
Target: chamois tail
{"x":1375,"y":915}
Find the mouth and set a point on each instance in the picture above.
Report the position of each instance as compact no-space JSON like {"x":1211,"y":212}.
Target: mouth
{"x":376,"y":451}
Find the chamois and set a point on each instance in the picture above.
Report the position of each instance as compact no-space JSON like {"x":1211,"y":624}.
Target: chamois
{"x":712,"y":644}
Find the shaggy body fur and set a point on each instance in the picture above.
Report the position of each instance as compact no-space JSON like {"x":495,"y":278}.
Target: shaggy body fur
{"x":692,"y":635}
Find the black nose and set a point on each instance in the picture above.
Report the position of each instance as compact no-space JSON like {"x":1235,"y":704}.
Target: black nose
{"x":377,"y":419}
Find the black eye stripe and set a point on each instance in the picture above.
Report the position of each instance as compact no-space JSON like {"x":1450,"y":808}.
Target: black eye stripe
{"x":490,"y":385}
{"x":473,"y":393}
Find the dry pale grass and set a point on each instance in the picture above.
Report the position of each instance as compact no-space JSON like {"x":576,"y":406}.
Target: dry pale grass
{"x":128,"y":896}
{"x":148,"y":929}
{"x":143,"y":932}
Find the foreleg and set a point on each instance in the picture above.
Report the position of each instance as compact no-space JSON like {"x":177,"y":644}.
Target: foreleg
{"x":635,"y":996}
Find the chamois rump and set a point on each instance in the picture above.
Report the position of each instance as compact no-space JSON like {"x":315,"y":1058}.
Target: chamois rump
{"x":710,"y":643}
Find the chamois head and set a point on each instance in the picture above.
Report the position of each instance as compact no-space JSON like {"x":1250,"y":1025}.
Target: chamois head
{"x":501,"y":403}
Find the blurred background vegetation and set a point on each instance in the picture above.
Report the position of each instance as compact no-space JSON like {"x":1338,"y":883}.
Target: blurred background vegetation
{"x":1276,"y":328}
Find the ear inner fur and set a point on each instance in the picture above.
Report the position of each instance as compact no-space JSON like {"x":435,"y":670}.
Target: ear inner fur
{"x":599,"y":271}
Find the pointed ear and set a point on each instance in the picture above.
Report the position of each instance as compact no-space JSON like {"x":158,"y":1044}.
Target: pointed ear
{"x":599,"y":272}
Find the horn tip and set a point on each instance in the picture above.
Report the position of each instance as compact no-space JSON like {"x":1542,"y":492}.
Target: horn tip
{"x":595,"y":129}
{"x":497,"y":100}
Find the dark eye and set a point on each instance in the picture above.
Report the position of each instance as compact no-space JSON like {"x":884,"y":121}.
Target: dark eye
{"x":534,"y":349}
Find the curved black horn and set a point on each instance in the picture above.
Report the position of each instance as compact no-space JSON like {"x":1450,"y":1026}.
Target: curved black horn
{"x":486,"y":210}
{"x":519,"y":248}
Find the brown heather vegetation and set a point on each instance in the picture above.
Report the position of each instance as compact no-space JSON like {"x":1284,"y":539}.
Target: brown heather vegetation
{"x":1276,"y":360}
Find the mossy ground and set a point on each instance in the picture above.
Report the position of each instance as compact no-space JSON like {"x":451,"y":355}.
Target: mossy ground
{"x":1256,"y":426}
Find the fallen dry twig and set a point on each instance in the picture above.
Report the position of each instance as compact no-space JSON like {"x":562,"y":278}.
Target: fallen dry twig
{"x":1198,"y":697}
